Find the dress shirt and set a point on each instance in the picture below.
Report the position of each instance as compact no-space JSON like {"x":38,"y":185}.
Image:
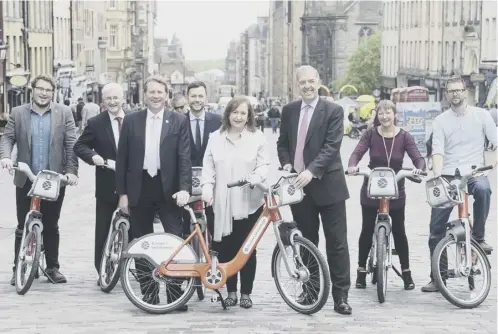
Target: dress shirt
{"x":115,"y":124}
{"x":310,"y":113}
{"x":193,"y":124}
{"x":149,"y":137}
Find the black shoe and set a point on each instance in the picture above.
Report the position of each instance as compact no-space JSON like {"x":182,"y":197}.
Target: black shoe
{"x":151,"y":298}
{"x":361,"y":279}
{"x":407,"y":279}
{"x":486,"y":248}
{"x":184,"y":308}
{"x":55,"y":276}
{"x":430,"y":287}
{"x":342,"y":307}
{"x":13,"y":279}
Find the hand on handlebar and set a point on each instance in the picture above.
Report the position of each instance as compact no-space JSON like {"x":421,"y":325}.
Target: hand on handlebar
{"x":72,"y":179}
{"x":7,"y":163}
{"x":352,"y":170}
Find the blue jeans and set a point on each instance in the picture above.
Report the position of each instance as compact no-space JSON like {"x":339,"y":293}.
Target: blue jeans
{"x":480,"y":189}
{"x":274,"y":124}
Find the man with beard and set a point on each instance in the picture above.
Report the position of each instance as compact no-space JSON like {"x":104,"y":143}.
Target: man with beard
{"x":309,"y":144}
{"x":458,"y":136}
{"x":98,"y":143}
{"x":202,"y":124}
{"x":154,"y":172}
{"x":45,"y":134}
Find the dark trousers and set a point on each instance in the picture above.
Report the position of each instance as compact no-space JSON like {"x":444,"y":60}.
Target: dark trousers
{"x":51,"y":212}
{"x":103,"y":215}
{"x":229,"y":247}
{"x":152,"y":200}
{"x":306,"y":214}
{"x":398,"y":231}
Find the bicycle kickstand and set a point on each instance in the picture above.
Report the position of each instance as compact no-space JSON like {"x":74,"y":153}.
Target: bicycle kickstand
{"x":215,"y":299}
{"x":397,"y":272}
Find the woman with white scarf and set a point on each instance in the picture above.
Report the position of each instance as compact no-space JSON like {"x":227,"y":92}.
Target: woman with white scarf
{"x":237,"y":151}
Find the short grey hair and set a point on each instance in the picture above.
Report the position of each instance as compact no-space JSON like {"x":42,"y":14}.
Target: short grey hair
{"x":113,"y":85}
{"x":306,"y":68}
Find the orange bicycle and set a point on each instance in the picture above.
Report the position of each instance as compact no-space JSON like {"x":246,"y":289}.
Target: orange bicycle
{"x":144,"y":259}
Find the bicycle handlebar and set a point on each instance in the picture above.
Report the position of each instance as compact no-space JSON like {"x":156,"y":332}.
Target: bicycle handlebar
{"x":24,"y":168}
{"x":261,"y":185}
{"x":404,"y":172}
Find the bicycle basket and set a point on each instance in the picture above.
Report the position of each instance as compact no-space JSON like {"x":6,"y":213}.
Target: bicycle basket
{"x":196,"y":181}
{"x":286,"y":193}
{"x":46,"y":186}
{"x":441,"y":193}
{"x":382,"y":184}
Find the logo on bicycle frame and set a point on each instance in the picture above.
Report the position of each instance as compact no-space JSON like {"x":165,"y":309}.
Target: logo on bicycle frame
{"x":145,"y":245}
{"x":258,"y":230}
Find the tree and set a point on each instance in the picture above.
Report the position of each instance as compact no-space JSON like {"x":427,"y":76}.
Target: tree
{"x":364,"y":65}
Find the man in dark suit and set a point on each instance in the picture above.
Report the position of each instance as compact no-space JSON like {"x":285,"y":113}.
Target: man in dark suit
{"x":44,"y":133}
{"x":97,"y":143}
{"x":201,"y":125}
{"x":309,"y":143}
{"x":153,"y":169}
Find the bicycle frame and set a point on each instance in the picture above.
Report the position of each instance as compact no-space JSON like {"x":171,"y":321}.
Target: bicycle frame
{"x":383,"y":219}
{"x":270,"y":214}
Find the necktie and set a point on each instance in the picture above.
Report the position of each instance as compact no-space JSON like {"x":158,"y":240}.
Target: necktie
{"x":198,"y":140}
{"x":120,"y":122}
{"x":303,"y":131}
{"x":152,"y":164}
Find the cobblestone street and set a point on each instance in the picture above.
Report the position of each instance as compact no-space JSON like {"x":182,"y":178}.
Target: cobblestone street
{"x":80,"y":307}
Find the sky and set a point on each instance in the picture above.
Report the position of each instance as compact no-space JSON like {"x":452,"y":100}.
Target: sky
{"x":207,"y":27}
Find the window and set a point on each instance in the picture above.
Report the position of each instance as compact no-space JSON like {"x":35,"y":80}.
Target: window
{"x":113,"y":29}
{"x":112,"y":4}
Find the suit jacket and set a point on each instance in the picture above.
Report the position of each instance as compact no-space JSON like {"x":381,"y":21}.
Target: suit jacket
{"x":62,"y":138}
{"x":212,"y":122}
{"x":98,"y":138}
{"x":174,"y":154}
{"x":321,"y":151}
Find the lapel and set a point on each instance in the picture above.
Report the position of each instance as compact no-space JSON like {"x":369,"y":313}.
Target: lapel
{"x":315,"y":121}
{"x":108,"y":130}
{"x":207,"y":130}
{"x":166,"y":125}
{"x":26,"y":120}
{"x":55,"y":121}
{"x":295,"y":124}
{"x":141,"y":132}
{"x":192,"y":142}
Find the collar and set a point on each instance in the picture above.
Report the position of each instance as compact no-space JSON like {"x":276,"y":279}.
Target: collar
{"x":160,"y":114}
{"x":312,"y":104}
{"x":119,"y":114}
{"x":460,"y":115}
{"x":50,"y":106}
{"x":202,"y":117}
{"x":242,"y":134}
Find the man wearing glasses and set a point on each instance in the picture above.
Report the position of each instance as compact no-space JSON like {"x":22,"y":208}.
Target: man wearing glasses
{"x":179,"y":104}
{"x":458,"y":143}
{"x":45,"y":134}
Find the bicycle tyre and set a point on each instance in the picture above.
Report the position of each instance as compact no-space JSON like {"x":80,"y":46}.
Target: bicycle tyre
{"x":438,"y":280}
{"x":381,"y":270}
{"x":371,"y":262}
{"x":22,"y":289}
{"x":144,"y":306}
{"x":354,"y":133}
{"x":112,"y":284}
{"x":325,"y":271}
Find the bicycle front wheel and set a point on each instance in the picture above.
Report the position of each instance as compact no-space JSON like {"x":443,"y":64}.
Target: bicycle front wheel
{"x":462,"y":289}
{"x":110,"y":264}
{"x":381,"y":269}
{"x":313,"y":283}
{"x":28,"y":260}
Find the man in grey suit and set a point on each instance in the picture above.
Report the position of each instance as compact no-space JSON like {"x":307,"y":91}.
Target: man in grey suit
{"x":45,"y":134}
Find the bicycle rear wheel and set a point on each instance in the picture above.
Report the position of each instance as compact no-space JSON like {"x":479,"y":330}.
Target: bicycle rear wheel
{"x":310,"y":300}
{"x":381,"y":268}
{"x":446,"y":277}
{"x":110,"y":264}
{"x":28,"y":260}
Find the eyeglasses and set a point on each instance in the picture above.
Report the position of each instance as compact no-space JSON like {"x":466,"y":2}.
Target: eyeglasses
{"x":44,"y":90}
{"x":112,"y":99}
{"x":453,"y":91}
{"x":179,"y":108}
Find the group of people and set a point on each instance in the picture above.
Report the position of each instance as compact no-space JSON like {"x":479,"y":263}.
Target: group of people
{"x":156,"y":148}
